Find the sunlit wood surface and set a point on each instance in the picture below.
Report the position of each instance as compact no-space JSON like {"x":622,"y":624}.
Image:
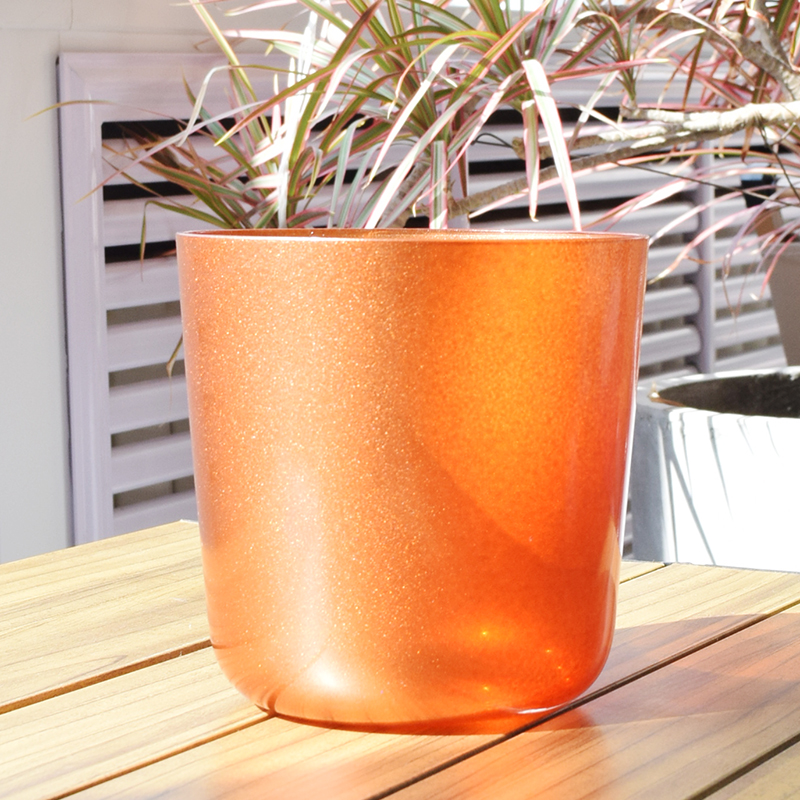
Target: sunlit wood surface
{"x":109,"y":689}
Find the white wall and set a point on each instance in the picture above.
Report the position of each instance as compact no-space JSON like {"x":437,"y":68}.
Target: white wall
{"x":34,"y":442}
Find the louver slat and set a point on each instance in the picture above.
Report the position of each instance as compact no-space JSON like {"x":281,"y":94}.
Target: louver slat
{"x":150,"y":462}
{"x":142,"y":405}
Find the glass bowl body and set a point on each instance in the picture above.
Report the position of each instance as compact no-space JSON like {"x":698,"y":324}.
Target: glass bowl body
{"x":410,"y":459}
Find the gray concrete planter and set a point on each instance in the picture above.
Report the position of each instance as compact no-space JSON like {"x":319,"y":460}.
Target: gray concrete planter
{"x":711,"y":484}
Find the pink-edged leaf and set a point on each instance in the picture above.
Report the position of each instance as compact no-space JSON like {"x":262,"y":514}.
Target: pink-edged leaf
{"x":669,"y":42}
{"x":438,"y":205}
{"x":530,"y":129}
{"x":269,"y":151}
{"x":410,"y":159}
{"x":718,"y":225}
{"x":276,"y":114}
{"x":615,"y":68}
{"x":224,"y":45}
{"x":337,"y":76}
{"x":548,"y":112}
{"x":414,"y":191}
{"x":198,"y":104}
{"x":774,"y":253}
{"x":647,"y":199}
{"x":347,"y":213}
{"x":588,"y":109}
{"x":402,"y":117}
{"x":563,"y":15}
{"x":341,"y":166}
{"x":264,"y":182}
{"x":476,"y":126}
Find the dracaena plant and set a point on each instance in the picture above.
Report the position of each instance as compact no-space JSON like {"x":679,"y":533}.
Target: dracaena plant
{"x":734,"y":68}
{"x":373,"y":109}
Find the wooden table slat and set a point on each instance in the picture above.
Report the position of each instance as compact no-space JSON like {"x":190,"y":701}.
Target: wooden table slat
{"x":109,"y":689}
{"x":672,"y":733}
{"x":634,"y":569}
{"x":109,"y":728}
{"x":77,"y":616}
{"x":777,"y":778}
{"x":359,"y":765}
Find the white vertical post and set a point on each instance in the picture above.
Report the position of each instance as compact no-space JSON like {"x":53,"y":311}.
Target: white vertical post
{"x":704,"y":278}
{"x":84,"y":285}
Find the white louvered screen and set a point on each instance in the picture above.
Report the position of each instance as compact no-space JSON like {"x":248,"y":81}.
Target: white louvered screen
{"x":131,"y":454}
{"x":129,"y":433}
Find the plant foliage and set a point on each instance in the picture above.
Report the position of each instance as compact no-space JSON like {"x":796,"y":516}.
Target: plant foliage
{"x":372,"y":108}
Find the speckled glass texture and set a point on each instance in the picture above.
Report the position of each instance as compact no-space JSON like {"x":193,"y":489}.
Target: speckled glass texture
{"x":410,"y":454}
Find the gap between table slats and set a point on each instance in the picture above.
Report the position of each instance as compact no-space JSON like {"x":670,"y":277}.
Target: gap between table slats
{"x":675,"y":733}
{"x":75,"y":617}
{"x":775,"y":774}
{"x":279,"y":759}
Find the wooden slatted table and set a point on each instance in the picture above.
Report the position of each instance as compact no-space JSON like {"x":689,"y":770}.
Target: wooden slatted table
{"x":109,"y":689}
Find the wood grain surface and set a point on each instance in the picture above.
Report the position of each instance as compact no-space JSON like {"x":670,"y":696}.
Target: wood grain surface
{"x":776,"y":776}
{"x":72,"y":740}
{"x":79,"y":615}
{"x":674,"y":733}
{"x":112,"y":691}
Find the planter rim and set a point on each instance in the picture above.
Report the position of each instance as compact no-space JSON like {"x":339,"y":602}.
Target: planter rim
{"x":413,"y":234}
{"x":647,"y":389}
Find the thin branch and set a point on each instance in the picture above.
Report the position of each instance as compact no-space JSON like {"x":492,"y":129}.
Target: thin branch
{"x":724,"y":123}
{"x":782,"y":71}
{"x":474,"y":202}
{"x":676,"y":128}
{"x":751,"y":50}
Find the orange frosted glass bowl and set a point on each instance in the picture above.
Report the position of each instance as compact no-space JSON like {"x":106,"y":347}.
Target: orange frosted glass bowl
{"x":410,"y":457}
